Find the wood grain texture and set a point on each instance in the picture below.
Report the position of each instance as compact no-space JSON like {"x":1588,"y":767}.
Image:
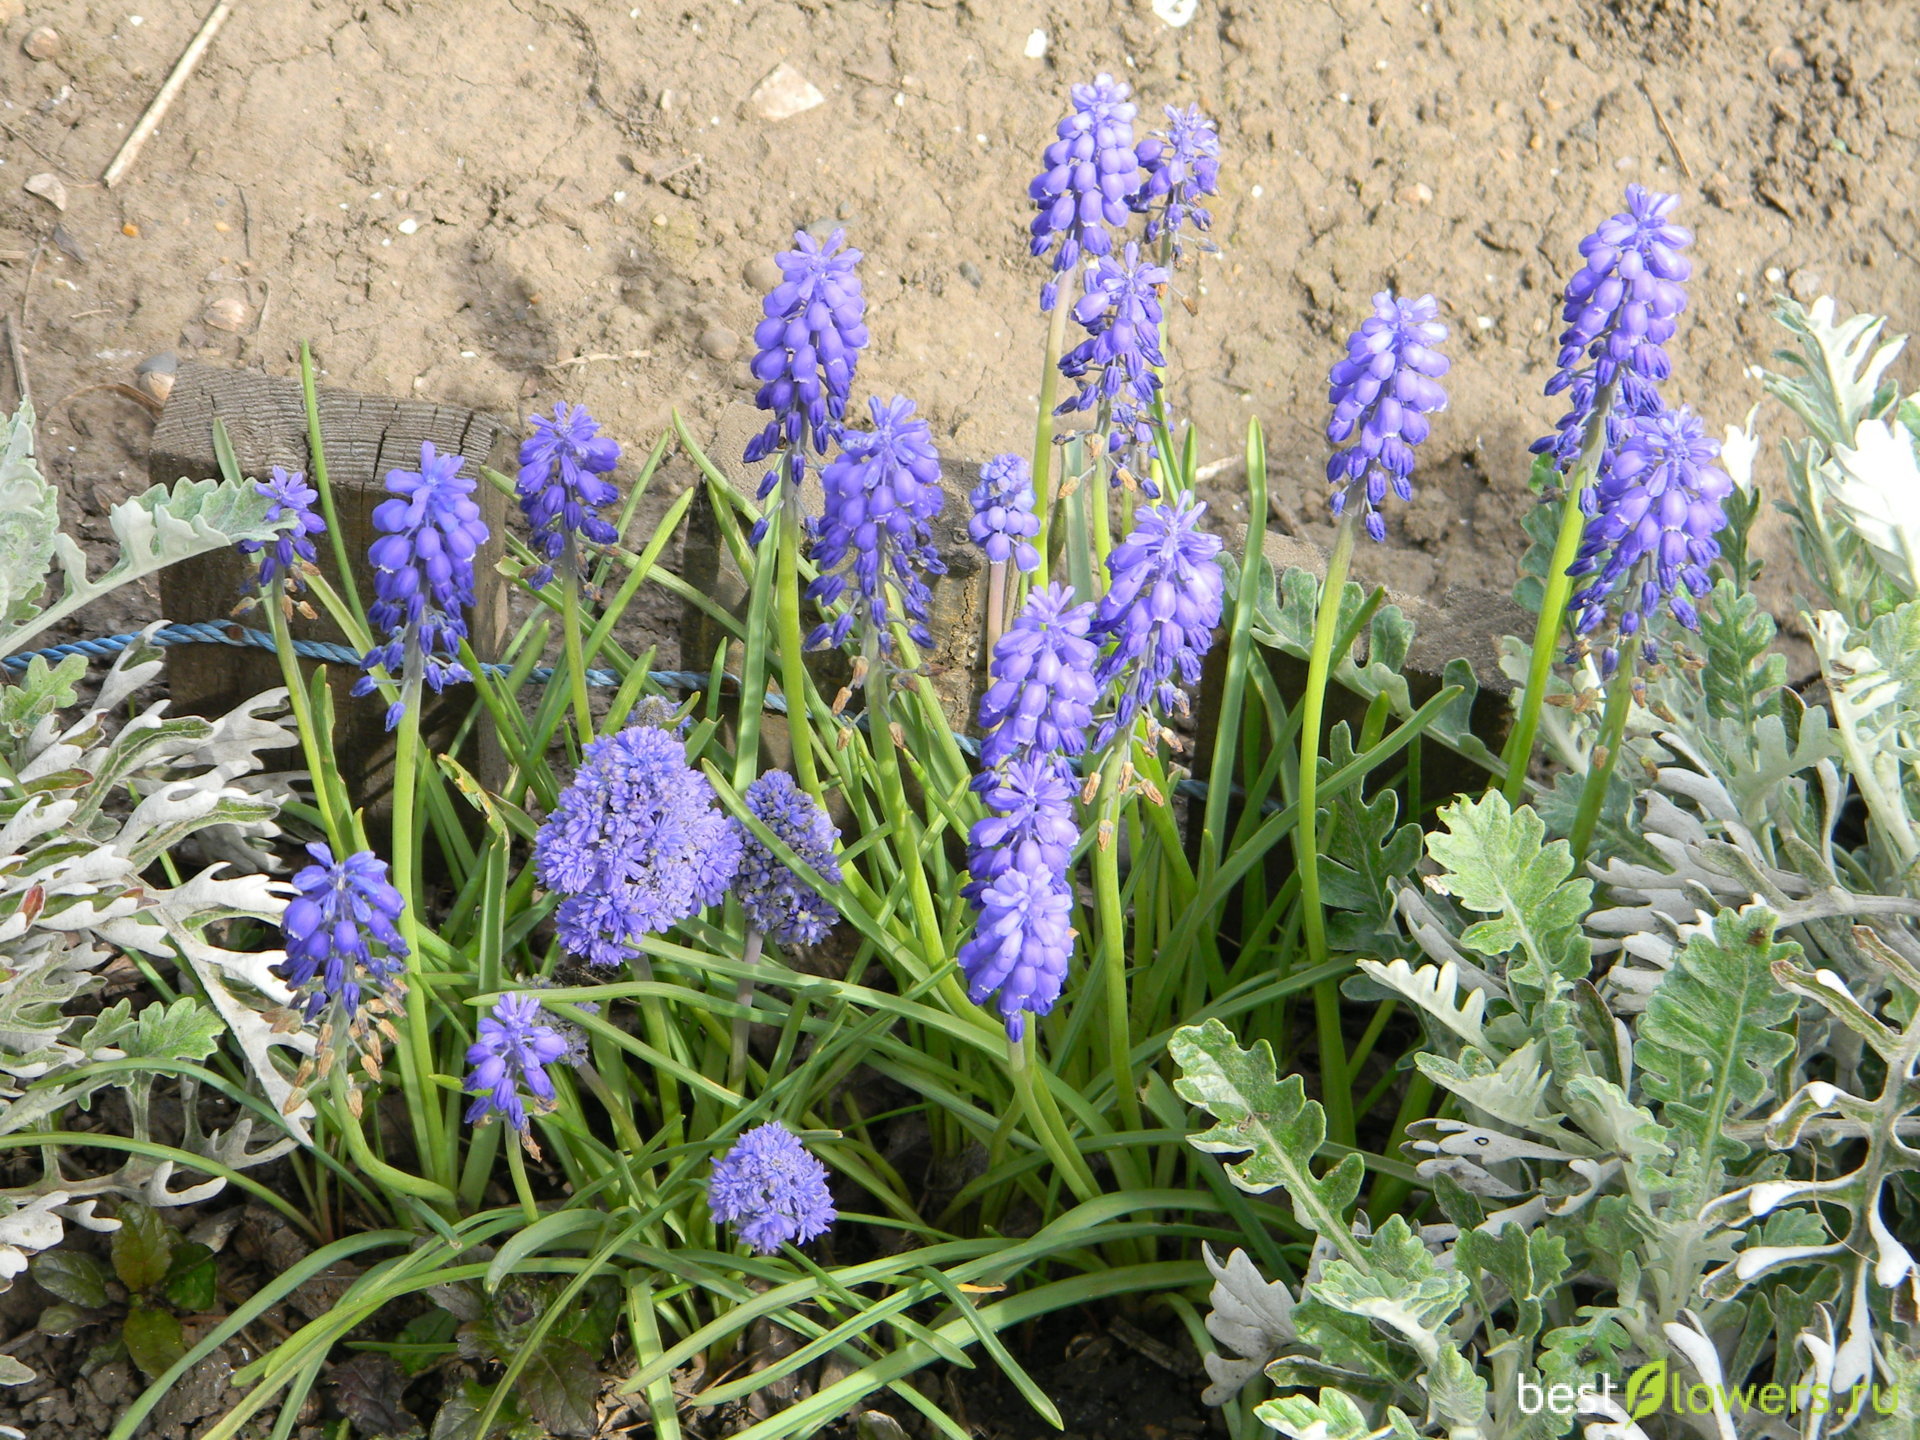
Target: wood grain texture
{"x":365,"y":436}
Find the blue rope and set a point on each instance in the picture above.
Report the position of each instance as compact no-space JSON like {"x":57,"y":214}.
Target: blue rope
{"x":108,"y":646}
{"x":227,"y":634}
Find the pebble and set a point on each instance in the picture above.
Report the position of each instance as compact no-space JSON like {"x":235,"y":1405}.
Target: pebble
{"x":408,"y":226}
{"x":42,"y":43}
{"x":1036,"y":45}
{"x":49,"y":187}
{"x":1805,"y":285}
{"x":784,"y":93}
{"x":155,"y":375}
{"x":1418,"y":194}
{"x":970,"y":273}
{"x":719,"y":342}
{"x":227,"y":313}
{"x":761,"y":274}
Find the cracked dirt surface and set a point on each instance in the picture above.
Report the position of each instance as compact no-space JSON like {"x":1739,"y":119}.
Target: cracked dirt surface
{"x":506,"y":204}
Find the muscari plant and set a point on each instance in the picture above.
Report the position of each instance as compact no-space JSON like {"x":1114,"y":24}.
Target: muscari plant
{"x":658,"y":1012}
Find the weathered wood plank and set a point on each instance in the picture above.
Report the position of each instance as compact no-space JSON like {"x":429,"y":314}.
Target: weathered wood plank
{"x":366,"y":436}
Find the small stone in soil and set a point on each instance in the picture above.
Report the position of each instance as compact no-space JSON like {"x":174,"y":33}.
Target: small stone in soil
{"x":42,"y":43}
{"x":720,"y":343}
{"x":784,"y":94}
{"x":970,"y":273}
{"x":49,"y":187}
{"x":761,"y":274}
{"x":227,"y":314}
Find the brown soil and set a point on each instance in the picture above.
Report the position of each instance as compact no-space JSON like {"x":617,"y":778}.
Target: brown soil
{"x":591,"y":183}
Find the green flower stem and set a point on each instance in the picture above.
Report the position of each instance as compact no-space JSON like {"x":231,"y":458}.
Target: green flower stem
{"x":743,"y":994}
{"x":1111,"y":944}
{"x":327,"y":799}
{"x":1334,"y":1091}
{"x":476,"y":1167}
{"x":893,"y":802}
{"x":386,"y":1176}
{"x":1043,"y":436}
{"x":317,"y":457}
{"x":1100,"y":502}
{"x":1049,"y":1126}
{"x":416,"y":1051}
{"x":576,"y":655}
{"x":517,"y":1164}
{"x":1518,"y":754}
{"x":1606,"y":753}
{"x":793,"y":662}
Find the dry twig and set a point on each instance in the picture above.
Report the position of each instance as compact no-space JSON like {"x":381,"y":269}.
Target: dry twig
{"x":169,"y":92}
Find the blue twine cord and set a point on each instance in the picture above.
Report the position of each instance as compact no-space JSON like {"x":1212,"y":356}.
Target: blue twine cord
{"x":107,"y":646}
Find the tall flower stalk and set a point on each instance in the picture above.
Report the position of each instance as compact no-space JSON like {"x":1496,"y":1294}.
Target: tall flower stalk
{"x":1088,"y":173}
{"x":1645,"y":551}
{"x":779,"y":904}
{"x":1381,"y":393}
{"x":807,"y":349}
{"x":562,"y":491}
{"x":1621,"y":308}
{"x":1004,"y":525}
{"x":430,"y":532}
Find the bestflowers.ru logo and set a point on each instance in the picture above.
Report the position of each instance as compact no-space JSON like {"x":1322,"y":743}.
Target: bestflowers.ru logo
{"x":1655,"y":1388}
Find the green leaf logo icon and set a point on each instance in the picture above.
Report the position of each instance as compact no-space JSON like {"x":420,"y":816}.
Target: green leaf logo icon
{"x":1646,"y":1389}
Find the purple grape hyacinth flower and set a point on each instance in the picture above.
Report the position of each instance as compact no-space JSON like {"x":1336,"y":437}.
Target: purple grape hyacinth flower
{"x":1621,"y":309}
{"x":1181,"y":166}
{"x":511,"y":1056}
{"x":771,"y":1189}
{"x":1651,"y":539}
{"x":430,"y":532}
{"x":342,"y":933}
{"x":779,"y":904}
{"x":280,"y":557}
{"x":1004,"y":523}
{"x":1087,"y":174}
{"x":805,"y":353}
{"x":1382,"y":392}
{"x":1042,"y":693}
{"x":1115,"y":364}
{"x":1029,"y":824}
{"x":1021,"y":944}
{"x":561,"y":490}
{"x":882,"y":492}
{"x":634,"y":846}
{"x":1160,"y":610}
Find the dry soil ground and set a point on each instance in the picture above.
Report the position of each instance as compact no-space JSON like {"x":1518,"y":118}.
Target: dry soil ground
{"x":505,"y":204}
